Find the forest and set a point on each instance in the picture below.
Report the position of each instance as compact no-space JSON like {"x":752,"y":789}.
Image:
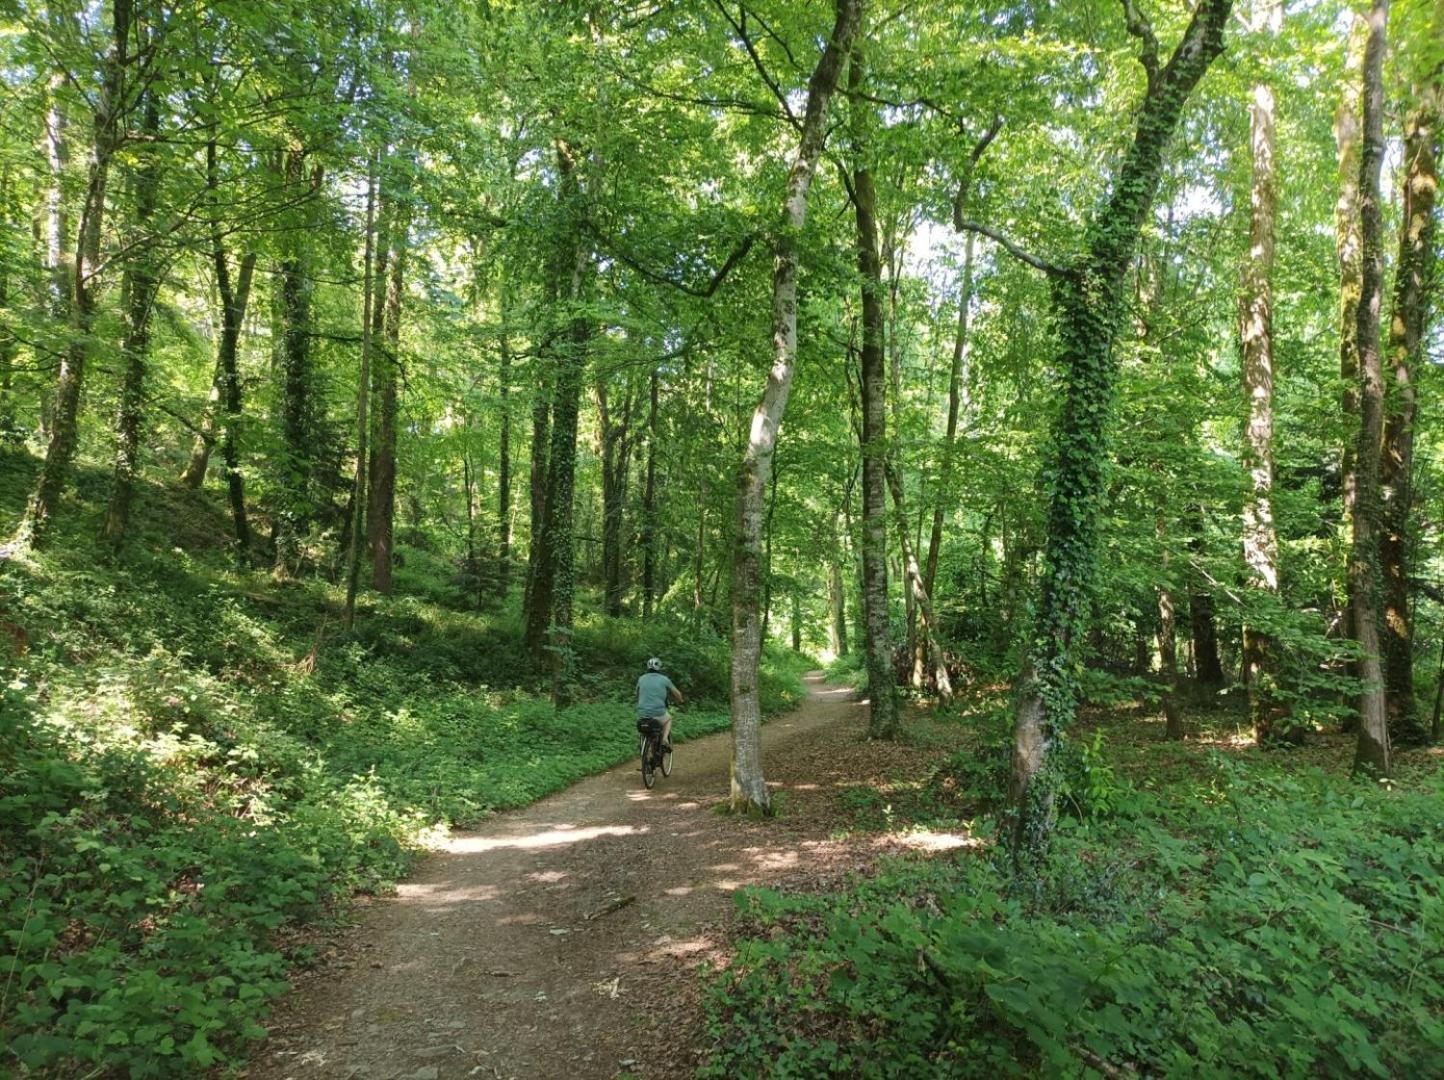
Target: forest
{"x":383,"y":382}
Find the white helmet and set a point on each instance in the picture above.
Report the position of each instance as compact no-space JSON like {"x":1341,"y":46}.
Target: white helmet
{"x":654,"y":664}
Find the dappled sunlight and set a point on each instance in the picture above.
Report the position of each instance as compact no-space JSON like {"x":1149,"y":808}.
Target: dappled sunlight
{"x":475,"y":845}
{"x":446,"y":892}
{"x":927,"y":840}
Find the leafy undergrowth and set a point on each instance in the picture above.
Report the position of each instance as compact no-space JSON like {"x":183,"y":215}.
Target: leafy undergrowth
{"x":186,"y":779}
{"x":1208,"y":910}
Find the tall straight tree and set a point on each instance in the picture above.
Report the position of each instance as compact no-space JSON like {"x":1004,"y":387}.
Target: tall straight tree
{"x":113,"y":102}
{"x":1414,"y":278}
{"x":1372,"y":753}
{"x":138,"y":289}
{"x":749,"y":790}
{"x":1089,"y":300}
{"x":1255,"y":307}
{"x":877,"y":648}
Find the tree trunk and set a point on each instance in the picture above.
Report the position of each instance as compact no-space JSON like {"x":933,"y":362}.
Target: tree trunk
{"x":1203,"y":630}
{"x":381,"y":509}
{"x":616,"y":455}
{"x":60,"y":452}
{"x":1089,"y":301}
{"x":749,"y":791}
{"x":1413,"y":278}
{"x":921,"y":602}
{"x":1346,"y":223}
{"x":882,"y":699}
{"x":59,"y":264}
{"x":649,"y":505}
{"x":1260,"y":541}
{"x":502,"y":576}
{"x":1372,"y":754}
{"x":837,"y":596}
{"x":1168,"y":641}
{"x":958,"y":377}
{"x":541,"y":418}
{"x":8,"y":344}
{"x":138,"y":291}
{"x":363,"y":400}
{"x":296,"y":467}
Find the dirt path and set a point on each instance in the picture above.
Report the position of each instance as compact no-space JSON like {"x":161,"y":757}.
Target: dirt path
{"x":508,"y":954}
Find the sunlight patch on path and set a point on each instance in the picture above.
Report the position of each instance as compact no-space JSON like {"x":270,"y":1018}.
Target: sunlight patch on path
{"x":475,"y":845}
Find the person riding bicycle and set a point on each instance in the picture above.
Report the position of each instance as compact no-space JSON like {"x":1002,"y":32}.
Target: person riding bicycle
{"x":654,"y":690}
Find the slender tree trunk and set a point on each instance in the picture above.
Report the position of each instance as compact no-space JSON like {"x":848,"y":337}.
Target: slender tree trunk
{"x":1346,"y":223}
{"x":1372,"y":754}
{"x":381,"y":511}
{"x":1260,"y":540}
{"x":193,"y":475}
{"x":60,"y":267}
{"x":541,"y":418}
{"x":749,"y":790}
{"x":1089,"y":300}
{"x":1203,"y":630}
{"x":363,"y":401}
{"x":1168,"y":641}
{"x":8,"y":344}
{"x":649,"y":505}
{"x":138,"y":291}
{"x":1413,"y":278}
{"x":503,"y":466}
{"x":837,"y":595}
{"x":958,"y":377}
{"x":616,"y":454}
{"x":60,"y":451}
{"x":882,"y":700}
{"x":921,"y":602}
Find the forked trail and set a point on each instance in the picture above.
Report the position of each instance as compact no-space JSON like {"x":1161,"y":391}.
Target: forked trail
{"x":562,"y":940}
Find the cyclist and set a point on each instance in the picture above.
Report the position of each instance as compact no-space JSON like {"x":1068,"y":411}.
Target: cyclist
{"x":654,"y":690}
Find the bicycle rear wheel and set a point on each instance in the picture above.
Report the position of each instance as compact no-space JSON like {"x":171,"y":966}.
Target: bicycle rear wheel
{"x":666,"y":762}
{"x":649,"y":775}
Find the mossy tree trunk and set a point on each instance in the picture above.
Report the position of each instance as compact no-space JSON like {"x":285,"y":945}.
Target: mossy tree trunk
{"x":1414,"y":277}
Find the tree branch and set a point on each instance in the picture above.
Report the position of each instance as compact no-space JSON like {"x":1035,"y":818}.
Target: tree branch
{"x":1142,"y":29}
{"x":738,"y":254}
{"x":740,"y":28}
{"x":963,"y":225}
{"x":966,"y":180}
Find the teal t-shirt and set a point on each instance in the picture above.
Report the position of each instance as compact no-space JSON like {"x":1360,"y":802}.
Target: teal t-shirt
{"x":652,"y":691}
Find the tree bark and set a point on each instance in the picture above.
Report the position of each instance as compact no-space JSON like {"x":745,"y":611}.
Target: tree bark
{"x":922,"y":604}
{"x":541,"y":418}
{"x":1267,"y":711}
{"x":297,"y":467}
{"x":110,"y":107}
{"x":1346,"y":224}
{"x":1413,"y":278}
{"x":363,"y":401}
{"x":502,"y":577}
{"x":1089,"y":300}
{"x":649,"y":504}
{"x":749,"y":790}
{"x":882,"y":698}
{"x":837,"y":595}
{"x":1372,"y":753}
{"x":138,"y":291}
{"x":381,"y":508}
{"x":1168,"y":641}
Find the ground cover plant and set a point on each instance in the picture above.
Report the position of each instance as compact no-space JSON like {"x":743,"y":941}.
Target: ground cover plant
{"x":1209,"y":912}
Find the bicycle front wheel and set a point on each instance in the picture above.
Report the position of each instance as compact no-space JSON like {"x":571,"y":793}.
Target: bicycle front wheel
{"x":649,"y":775}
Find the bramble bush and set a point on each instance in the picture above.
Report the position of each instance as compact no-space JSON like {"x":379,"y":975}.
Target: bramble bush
{"x":1267,"y":925}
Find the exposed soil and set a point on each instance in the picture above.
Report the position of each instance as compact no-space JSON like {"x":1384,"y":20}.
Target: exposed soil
{"x":564,"y":940}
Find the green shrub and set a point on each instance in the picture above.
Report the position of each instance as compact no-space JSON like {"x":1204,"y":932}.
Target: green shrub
{"x":1276,"y":927}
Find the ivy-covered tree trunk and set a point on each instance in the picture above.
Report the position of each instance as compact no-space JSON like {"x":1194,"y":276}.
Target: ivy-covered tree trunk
{"x":877,"y":648}
{"x":1088,"y":298}
{"x":110,"y":108}
{"x":1372,"y":753}
{"x":1267,"y":711}
{"x":1414,"y":275}
{"x":749,"y":790}
{"x":296,"y":467}
{"x":139,"y":287}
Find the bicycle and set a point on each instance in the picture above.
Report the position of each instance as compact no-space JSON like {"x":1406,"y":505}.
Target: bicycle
{"x":654,"y":755}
